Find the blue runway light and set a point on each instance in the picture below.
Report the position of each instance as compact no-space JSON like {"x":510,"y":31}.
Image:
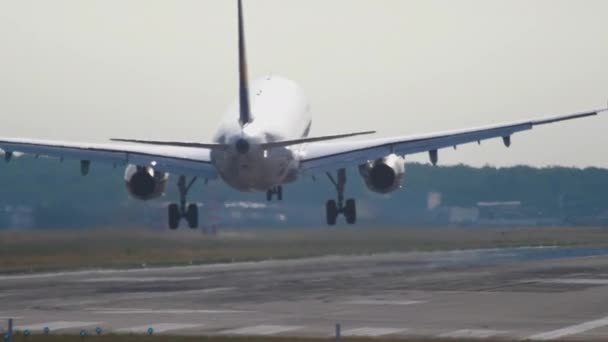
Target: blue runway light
{"x":46,"y":330}
{"x":26,"y":333}
{"x":83,"y":333}
{"x":98,"y":330}
{"x":150,"y":331}
{"x":7,"y":337}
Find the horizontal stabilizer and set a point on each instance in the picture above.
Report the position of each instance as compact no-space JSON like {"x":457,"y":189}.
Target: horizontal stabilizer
{"x":226,"y":146}
{"x":313,"y":139}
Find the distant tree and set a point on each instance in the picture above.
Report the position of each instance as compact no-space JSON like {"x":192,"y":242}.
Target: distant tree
{"x":62,"y":197}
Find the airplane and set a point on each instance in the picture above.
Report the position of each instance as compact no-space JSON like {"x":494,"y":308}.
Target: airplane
{"x":263,"y":143}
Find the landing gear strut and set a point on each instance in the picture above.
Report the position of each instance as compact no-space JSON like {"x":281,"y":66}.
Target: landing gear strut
{"x":334,"y":208}
{"x":277,"y":190}
{"x":189,"y":212}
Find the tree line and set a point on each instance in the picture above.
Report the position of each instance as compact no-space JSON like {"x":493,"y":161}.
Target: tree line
{"x":61,"y":196}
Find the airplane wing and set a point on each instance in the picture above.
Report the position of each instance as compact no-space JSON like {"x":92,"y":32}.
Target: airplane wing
{"x":329,"y":156}
{"x":179,"y":160}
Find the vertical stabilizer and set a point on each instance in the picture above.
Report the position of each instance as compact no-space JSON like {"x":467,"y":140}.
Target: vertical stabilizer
{"x":245,"y":110}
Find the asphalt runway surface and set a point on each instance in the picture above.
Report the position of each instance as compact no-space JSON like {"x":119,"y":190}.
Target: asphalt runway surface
{"x":540,"y":293}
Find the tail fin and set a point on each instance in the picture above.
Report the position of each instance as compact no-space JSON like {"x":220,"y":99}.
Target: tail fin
{"x":245,"y":110}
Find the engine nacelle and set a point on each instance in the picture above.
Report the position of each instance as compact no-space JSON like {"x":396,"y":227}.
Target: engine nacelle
{"x":383,"y":175}
{"x":145,"y":183}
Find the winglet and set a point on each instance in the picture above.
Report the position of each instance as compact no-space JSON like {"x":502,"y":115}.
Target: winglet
{"x":245,"y":110}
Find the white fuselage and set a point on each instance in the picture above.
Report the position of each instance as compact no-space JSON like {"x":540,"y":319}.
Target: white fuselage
{"x":280,"y":112}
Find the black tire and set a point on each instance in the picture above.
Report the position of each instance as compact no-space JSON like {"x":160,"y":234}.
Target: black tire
{"x":174,"y":216}
{"x":280,"y":193}
{"x":192,"y":216}
{"x":331,"y":210}
{"x":350,"y":211}
{"x":269,"y":195}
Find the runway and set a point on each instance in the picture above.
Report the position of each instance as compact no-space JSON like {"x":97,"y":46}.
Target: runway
{"x":540,"y":293}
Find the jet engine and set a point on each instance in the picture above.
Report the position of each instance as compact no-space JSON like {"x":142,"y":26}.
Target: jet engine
{"x":383,"y":175}
{"x":145,"y":183}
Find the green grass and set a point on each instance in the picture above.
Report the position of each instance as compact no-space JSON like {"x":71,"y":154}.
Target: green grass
{"x":30,"y":251}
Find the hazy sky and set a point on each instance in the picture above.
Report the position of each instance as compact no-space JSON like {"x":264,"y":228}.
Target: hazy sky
{"x":95,"y":69}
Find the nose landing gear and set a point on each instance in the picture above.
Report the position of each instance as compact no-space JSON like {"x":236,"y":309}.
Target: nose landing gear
{"x":189,"y":212}
{"x":277,"y":190}
{"x":333,"y":208}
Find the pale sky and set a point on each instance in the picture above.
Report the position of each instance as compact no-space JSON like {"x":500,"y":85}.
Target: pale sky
{"x":91,"y":70}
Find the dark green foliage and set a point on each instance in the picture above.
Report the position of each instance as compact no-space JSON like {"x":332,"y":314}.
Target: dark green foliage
{"x":553,"y":191}
{"x":61,"y":197}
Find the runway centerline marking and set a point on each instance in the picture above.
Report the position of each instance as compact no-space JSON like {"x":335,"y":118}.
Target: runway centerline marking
{"x":168,"y":311}
{"x":571,"y":330}
{"x":372,"y":332}
{"x":261,"y":330}
{"x":383,"y":302}
{"x":472,"y":333}
{"x":135,"y":280}
{"x":569,"y":281}
{"x":59,"y":325}
{"x":157,"y":327}
{"x":152,"y":295}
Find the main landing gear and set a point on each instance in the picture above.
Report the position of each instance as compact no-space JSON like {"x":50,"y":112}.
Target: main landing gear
{"x":277,"y":190}
{"x":189,"y":212}
{"x":334,"y":208}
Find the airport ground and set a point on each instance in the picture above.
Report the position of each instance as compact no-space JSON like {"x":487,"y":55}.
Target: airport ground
{"x":139,"y":338}
{"x":40,"y":250}
{"x":464,"y":285}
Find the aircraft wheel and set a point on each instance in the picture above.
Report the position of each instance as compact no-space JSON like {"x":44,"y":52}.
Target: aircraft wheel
{"x":280,"y":193}
{"x":174,"y":216}
{"x":350,"y":211}
{"x":192,"y":216}
{"x":331,"y":212}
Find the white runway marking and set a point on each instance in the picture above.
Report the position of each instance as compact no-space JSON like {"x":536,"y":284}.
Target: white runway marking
{"x":261,"y":330}
{"x":56,"y":325}
{"x":158,"y":328}
{"x":167,"y":312}
{"x":262,"y":264}
{"x":217,"y":289}
{"x":373,"y":332}
{"x":472,"y":333}
{"x":571,"y":330}
{"x":9,"y":293}
{"x":152,"y":295}
{"x":136,"y":280}
{"x":384,"y":302}
{"x":573,"y":281}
